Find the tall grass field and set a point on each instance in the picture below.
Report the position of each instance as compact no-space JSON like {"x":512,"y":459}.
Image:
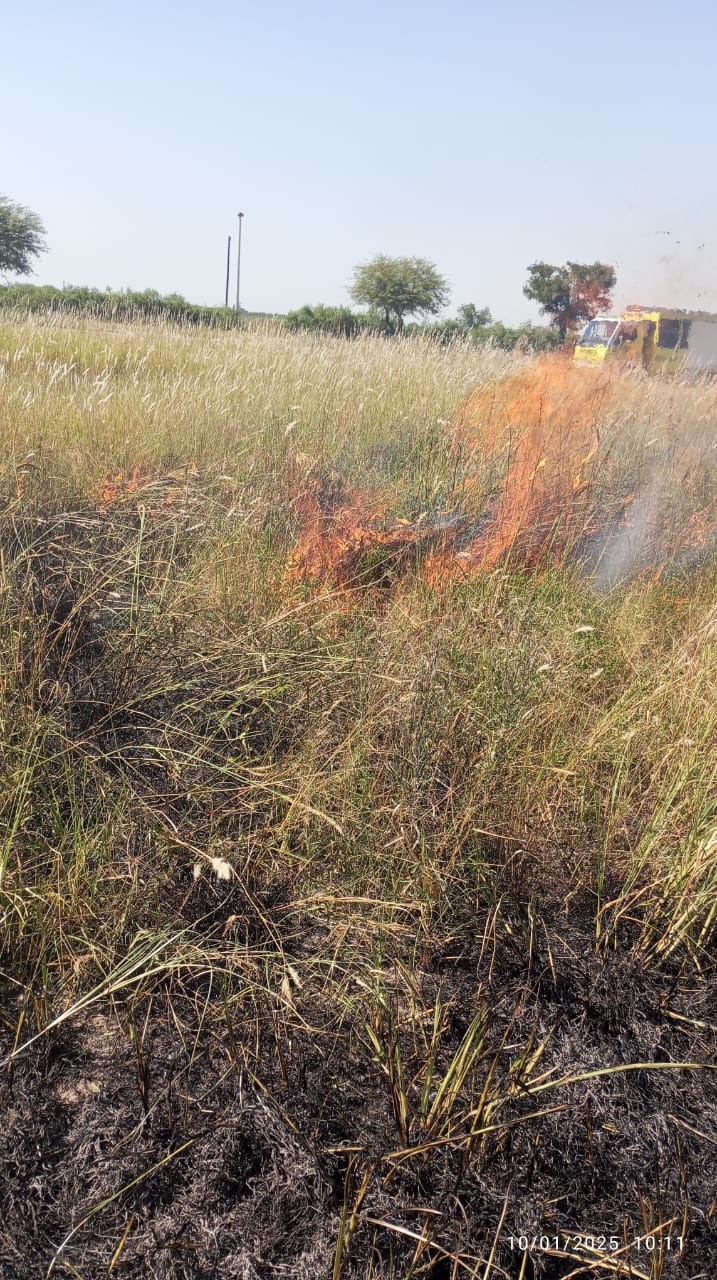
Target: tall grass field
{"x":358,"y":810}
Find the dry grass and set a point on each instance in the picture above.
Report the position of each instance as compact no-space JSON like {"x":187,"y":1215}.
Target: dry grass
{"x":355,"y":928}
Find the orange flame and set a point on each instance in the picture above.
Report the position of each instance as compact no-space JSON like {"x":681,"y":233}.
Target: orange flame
{"x":116,"y":486}
{"x":540,"y":429}
{"x":346,"y":539}
{"x":548,"y":418}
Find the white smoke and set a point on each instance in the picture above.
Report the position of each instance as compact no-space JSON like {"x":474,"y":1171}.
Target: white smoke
{"x":624,"y":550}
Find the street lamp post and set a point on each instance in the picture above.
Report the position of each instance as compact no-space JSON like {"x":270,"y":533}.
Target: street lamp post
{"x":239,"y":216}
{"x":229,"y":258}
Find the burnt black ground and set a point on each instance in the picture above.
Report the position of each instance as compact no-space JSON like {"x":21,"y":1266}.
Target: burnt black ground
{"x":258,"y":1190}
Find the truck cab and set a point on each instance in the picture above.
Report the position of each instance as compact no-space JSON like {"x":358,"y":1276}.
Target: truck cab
{"x":597,"y":338}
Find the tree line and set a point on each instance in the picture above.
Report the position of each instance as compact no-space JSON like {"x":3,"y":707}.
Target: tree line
{"x":342,"y":322}
{"x":116,"y":304}
{"x":393,"y":289}
{"x":390,"y":290}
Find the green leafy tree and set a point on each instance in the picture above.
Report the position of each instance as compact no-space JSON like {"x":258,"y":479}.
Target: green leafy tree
{"x":399,"y":287}
{"x":470,"y":323}
{"x":472,"y":317}
{"x":572,"y":294}
{"x":21,"y":238}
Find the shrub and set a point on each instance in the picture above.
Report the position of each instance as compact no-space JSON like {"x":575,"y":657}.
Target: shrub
{"x":341,"y":322}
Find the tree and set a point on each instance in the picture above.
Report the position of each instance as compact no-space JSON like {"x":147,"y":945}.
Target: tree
{"x":399,"y":287}
{"x":472,"y":317}
{"x":571,"y":295}
{"x":21,"y":238}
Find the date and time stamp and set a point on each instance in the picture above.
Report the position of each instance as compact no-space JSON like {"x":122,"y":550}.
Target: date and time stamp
{"x":579,"y":1242}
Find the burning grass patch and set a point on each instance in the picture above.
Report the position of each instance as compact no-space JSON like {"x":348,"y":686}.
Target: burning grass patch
{"x":542,"y":481}
{"x":348,"y":541}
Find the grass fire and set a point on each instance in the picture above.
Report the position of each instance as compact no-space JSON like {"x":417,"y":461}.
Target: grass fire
{"x":535,"y":481}
{"x":358,"y":858}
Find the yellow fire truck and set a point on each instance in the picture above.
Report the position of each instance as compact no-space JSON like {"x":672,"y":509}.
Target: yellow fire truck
{"x":652,"y":337}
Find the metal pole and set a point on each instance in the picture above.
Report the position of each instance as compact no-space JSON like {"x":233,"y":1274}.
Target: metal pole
{"x":239,"y":216}
{"x":229,"y":255}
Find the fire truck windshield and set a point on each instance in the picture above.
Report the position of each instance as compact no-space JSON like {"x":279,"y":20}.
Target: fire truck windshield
{"x":597,"y":333}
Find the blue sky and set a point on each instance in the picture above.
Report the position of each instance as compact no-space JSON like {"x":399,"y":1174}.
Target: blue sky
{"x":480,"y":135}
